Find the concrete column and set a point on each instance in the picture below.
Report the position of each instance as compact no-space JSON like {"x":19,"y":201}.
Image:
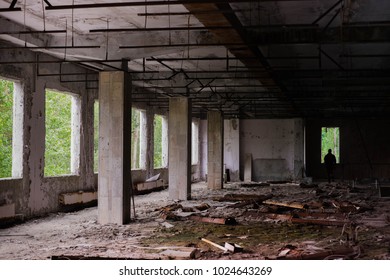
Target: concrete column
{"x":179,"y":148}
{"x":215,"y":150}
{"x":114,"y":148}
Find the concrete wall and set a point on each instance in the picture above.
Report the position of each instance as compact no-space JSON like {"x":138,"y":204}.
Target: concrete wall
{"x":32,"y":193}
{"x":364,"y":149}
{"x":276,"y":147}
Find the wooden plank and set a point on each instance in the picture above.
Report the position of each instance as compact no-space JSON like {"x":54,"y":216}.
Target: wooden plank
{"x":214,"y":244}
{"x":294,"y":205}
{"x":221,"y":221}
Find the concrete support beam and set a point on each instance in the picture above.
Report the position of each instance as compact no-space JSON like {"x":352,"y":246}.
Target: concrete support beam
{"x":179,"y":148}
{"x":114,"y":148}
{"x":215,"y":150}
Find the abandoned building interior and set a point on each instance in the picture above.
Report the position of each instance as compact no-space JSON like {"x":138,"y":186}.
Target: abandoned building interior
{"x":194,"y":129}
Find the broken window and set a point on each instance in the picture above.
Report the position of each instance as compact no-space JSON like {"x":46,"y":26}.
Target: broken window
{"x":11,"y":129}
{"x":96,"y":136}
{"x":62,"y":139}
{"x":195,"y":142}
{"x":330,"y":139}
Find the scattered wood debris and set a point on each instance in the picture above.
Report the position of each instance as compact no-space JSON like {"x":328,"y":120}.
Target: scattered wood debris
{"x":221,"y":221}
{"x":292,"y":253}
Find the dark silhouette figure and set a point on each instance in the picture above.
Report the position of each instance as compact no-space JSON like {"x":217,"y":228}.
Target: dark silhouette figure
{"x":330,"y":162}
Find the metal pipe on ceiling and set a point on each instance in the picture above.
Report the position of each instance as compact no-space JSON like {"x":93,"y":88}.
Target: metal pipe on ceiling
{"x":203,"y":28}
{"x":32,"y":32}
{"x":184,"y":45}
{"x":153,"y":3}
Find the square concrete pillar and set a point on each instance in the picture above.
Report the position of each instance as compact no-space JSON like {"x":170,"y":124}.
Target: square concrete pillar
{"x":215,"y":150}
{"x":179,"y":149}
{"x":114,"y":148}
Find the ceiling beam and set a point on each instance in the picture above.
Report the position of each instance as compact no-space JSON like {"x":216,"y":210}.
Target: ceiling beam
{"x":335,"y":35}
{"x":153,"y":3}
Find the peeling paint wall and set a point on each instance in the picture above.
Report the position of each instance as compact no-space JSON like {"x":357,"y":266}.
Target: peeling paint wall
{"x":275,"y":146}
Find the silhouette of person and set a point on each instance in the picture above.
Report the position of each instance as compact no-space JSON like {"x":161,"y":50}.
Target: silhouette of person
{"x":330,"y":162}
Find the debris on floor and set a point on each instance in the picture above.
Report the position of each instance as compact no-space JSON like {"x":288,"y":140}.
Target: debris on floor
{"x":269,"y":221}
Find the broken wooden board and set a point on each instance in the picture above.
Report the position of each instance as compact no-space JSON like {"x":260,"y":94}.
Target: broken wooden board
{"x":215,"y":245}
{"x":294,"y":205}
{"x":220,"y":221}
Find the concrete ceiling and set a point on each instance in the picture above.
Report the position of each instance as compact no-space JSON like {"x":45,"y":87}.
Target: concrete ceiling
{"x":265,"y":58}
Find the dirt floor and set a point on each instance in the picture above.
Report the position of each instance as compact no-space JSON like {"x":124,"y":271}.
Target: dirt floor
{"x":260,"y":221}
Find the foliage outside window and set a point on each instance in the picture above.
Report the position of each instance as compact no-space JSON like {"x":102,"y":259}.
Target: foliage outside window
{"x":135,"y":138}
{"x":158,"y":161}
{"x":58,"y":108}
{"x":330,"y":139}
{"x":6,"y":111}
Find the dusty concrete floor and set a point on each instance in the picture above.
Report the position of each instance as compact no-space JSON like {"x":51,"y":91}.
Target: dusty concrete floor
{"x":77,"y":234}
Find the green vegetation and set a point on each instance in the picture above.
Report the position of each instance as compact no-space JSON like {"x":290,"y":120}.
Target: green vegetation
{"x":96,"y":136}
{"x":58,"y":133}
{"x":135,"y":138}
{"x":330,"y":139}
{"x":6,"y":111}
{"x":158,"y":141}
